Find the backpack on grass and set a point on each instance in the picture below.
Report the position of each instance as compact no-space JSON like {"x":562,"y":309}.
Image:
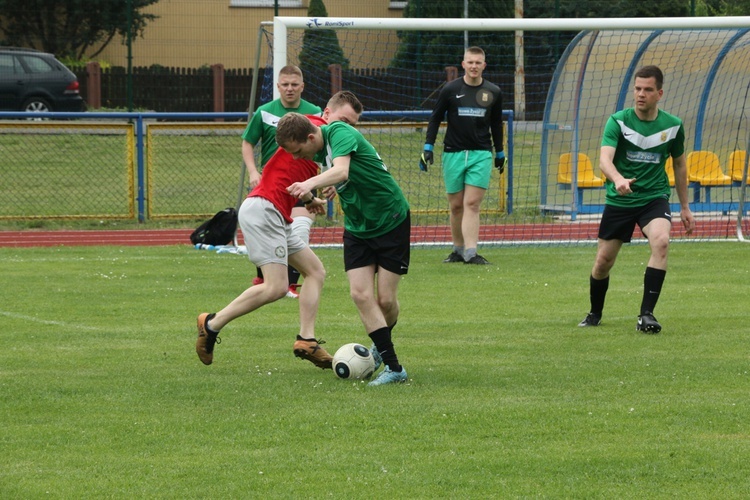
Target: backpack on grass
{"x":218,"y":230}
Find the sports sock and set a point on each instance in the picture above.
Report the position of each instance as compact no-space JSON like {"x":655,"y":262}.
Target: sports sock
{"x":653,"y":280}
{"x":382,"y":340}
{"x":208,"y":323}
{"x":458,"y":250}
{"x":597,"y":293}
{"x":293,"y":275}
{"x":469,"y":253}
{"x":259,"y":273}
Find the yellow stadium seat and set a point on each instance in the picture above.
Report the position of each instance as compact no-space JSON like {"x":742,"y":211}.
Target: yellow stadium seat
{"x":705,"y":169}
{"x":586,"y":176}
{"x":670,"y":171}
{"x":736,"y":165}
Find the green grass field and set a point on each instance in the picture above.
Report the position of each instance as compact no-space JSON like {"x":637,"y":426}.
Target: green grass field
{"x":103,"y":396}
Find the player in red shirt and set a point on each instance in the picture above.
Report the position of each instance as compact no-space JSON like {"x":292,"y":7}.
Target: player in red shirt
{"x":265,"y":220}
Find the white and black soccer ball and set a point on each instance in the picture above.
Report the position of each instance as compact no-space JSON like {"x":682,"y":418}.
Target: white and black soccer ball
{"x":353,"y":361}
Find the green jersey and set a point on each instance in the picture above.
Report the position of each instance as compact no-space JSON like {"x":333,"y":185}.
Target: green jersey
{"x":372,"y":201}
{"x":641,"y":151}
{"x":262,"y":126}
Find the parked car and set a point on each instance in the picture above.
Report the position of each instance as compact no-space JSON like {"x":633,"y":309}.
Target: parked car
{"x":31,"y":80}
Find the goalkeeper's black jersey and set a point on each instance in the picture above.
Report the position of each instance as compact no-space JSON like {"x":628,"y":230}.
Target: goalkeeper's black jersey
{"x":475,"y":118}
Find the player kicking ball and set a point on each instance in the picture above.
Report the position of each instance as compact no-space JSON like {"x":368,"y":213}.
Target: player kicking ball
{"x":377,"y":225}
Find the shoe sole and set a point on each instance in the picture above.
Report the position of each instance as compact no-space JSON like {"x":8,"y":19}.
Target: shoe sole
{"x":303,"y":354}
{"x":399,"y":381}
{"x":649,"y":329}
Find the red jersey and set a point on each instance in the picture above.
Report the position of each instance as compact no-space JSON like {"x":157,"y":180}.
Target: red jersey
{"x":281,"y":171}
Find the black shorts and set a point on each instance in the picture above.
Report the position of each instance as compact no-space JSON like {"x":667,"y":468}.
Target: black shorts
{"x":389,"y":251}
{"x":301,"y":203}
{"x":618,"y":223}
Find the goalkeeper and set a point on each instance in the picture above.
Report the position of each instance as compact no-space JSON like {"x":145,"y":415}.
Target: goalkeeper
{"x":474,"y":115}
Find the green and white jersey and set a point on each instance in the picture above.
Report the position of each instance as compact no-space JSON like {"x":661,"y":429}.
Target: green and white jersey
{"x":641,"y":151}
{"x":262,"y":126}
{"x":372,"y":201}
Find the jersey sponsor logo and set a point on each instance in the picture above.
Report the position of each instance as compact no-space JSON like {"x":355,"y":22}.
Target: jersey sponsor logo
{"x":643,"y":157}
{"x":472,"y":112}
{"x":459,"y":96}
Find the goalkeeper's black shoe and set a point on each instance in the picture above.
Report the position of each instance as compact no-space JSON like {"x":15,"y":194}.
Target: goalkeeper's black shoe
{"x":647,"y":323}
{"x":453,"y":257}
{"x":591,"y":319}
{"x":478,"y":260}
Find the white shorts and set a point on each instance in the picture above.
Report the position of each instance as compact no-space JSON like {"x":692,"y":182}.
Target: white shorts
{"x":268,"y":236}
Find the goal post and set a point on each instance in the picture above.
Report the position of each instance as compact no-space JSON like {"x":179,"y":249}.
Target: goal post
{"x":553,"y":180}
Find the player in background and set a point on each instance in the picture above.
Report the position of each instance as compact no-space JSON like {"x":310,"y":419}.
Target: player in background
{"x":474,"y":110}
{"x":262,"y":130}
{"x":377,"y":224}
{"x":266,"y":224}
{"x":635,"y":146}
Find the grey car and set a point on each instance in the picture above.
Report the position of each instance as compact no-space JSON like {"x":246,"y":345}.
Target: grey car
{"x":31,"y":80}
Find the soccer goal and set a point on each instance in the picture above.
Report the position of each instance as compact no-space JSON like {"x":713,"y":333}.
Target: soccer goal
{"x":561,"y":79}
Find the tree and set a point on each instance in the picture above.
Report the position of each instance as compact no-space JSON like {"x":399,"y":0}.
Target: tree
{"x":433,"y":49}
{"x":320,"y":47}
{"x":69,"y":28}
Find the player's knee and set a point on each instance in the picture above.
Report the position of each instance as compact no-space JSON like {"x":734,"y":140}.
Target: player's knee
{"x":361,"y":297}
{"x":387,"y":304}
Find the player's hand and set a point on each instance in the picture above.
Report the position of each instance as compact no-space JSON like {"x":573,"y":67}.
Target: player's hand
{"x":329,"y":192}
{"x":316,"y":206}
{"x":623,"y":186}
{"x":298,"y":190}
{"x":426,"y":158}
{"x":688,"y":221}
{"x":500,"y":161}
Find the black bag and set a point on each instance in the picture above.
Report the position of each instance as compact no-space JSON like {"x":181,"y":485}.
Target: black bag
{"x":218,"y":230}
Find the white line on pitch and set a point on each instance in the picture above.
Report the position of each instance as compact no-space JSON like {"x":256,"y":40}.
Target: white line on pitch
{"x":46,"y":321}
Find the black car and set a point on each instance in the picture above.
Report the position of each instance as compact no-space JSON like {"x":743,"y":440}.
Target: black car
{"x":31,"y":80}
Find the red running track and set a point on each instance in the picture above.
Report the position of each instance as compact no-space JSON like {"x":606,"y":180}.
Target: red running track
{"x":332,"y":235}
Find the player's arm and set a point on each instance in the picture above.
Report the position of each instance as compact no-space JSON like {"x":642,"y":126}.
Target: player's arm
{"x":437,"y":116}
{"x":496,"y":130}
{"x":607,"y":166}
{"x":339,"y":172}
{"x":248,"y":156}
{"x":679,"y":164}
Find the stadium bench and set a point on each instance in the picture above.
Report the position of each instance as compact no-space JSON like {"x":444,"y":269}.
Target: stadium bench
{"x":704,"y":171}
{"x":736,"y":165}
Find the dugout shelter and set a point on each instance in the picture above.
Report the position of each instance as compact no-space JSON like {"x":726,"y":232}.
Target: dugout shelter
{"x":706,"y":83}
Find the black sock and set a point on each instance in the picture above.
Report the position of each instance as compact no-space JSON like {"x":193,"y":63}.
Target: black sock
{"x":259,"y":273}
{"x":382,"y":340}
{"x":653,"y":280}
{"x":597,"y":293}
{"x":209,"y":318}
{"x":293,"y":275}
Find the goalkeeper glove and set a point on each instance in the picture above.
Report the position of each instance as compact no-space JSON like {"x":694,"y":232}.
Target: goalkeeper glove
{"x":500,"y":161}
{"x":426,"y":158}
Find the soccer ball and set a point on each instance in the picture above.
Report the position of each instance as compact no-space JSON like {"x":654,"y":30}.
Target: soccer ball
{"x":353,"y":361}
